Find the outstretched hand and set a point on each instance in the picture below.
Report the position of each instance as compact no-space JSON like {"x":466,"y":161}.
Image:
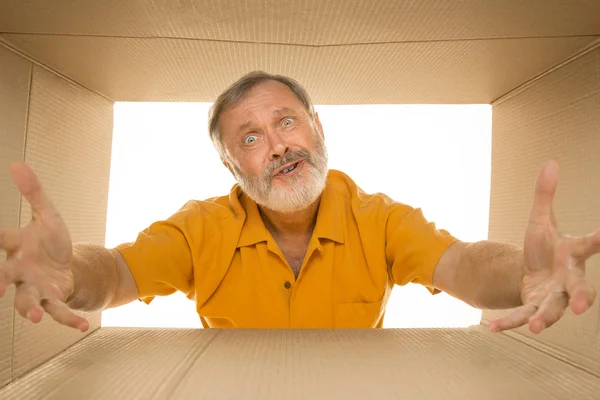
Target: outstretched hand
{"x":554,"y":276}
{"x":39,"y":257}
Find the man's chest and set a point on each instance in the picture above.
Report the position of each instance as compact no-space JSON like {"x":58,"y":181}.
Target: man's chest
{"x":294,"y":253}
{"x":295,"y":259}
{"x":336,"y":288}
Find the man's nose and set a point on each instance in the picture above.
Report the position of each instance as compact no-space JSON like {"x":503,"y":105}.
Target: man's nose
{"x":278,"y":148}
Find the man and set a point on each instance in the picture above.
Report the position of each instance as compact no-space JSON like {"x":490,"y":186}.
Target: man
{"x":293,"y":244}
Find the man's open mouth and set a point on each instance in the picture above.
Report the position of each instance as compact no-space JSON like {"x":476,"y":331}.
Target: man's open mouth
{"x":289,"y":168}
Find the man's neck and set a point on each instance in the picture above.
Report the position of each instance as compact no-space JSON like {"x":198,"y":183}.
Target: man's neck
{"x":298,"y":223}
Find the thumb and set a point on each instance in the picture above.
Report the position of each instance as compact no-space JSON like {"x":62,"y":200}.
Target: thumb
{"x":29,"y":185}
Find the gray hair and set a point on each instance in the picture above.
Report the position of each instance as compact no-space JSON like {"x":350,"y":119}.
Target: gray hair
{"x":238,"y":90}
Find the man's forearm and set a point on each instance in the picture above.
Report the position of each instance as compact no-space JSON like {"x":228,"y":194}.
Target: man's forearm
{"x":96,"y":279}
{"x":490,"y":274}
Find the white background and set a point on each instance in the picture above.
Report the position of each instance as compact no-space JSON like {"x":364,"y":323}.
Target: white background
{"x":436,"y":157}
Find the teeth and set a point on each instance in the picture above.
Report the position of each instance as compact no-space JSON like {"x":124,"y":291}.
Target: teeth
{"x":288,"y":169}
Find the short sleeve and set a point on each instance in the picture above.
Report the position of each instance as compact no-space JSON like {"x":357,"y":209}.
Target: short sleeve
{"x":160,"y":259}
{"x":414,"y":246}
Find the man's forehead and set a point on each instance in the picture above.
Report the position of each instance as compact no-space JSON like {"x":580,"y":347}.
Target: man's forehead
{"x":272,"y":99}
{"x":272,"y":93}
{"x":278,"y":112}
{"x":250,"y":111}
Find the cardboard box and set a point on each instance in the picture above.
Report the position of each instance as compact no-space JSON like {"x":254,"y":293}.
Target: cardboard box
{"x":64,"y":63}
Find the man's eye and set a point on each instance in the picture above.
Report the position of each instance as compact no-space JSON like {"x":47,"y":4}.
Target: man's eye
{"x":287,"y":122}
{"x":250,"y":139}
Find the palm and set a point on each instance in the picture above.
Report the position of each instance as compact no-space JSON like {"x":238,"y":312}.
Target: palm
{"x":39,"y":257}
{"x":45,"y":253}
{"x":538,"y":251}
{"x":554,"y":273}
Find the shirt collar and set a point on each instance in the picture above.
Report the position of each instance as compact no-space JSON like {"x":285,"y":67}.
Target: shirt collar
{"x":253,"y":230}
{"x":330,"y":218}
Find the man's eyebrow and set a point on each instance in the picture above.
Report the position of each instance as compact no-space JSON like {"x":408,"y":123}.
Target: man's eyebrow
{"x":284,"y":110}
{"x":244,"y":126}
{"x":278,"y":111}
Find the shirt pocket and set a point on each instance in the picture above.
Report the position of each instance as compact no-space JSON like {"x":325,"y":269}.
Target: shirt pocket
{"x":358,"y":315}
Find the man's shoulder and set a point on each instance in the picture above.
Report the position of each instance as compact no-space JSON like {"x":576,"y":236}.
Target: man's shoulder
{"x":343,"y":185}
{"x":217,"y":208}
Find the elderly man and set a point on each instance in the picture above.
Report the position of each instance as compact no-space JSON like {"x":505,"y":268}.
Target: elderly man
{"x":293,"y":244}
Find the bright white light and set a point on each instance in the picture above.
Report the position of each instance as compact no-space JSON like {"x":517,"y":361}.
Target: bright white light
{"x":436,"y":157}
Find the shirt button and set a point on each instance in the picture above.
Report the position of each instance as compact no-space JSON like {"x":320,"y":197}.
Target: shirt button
{"x":287,"y":285}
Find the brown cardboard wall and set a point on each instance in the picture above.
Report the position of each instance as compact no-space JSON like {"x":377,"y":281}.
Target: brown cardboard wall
{"x":438,"y":72}
{"x":116,"y":363}
{"x":304,"y":22}
{"x":383,"y":51}
{"x":557,"y":116}
{"x":69,"y":139}
{"x":15,"y":74}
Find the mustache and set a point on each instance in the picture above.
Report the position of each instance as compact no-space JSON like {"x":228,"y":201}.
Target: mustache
{"x":287,"y":159}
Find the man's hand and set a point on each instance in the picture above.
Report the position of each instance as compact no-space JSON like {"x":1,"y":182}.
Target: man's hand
{"x":554,"y":277}
{"x":38,"y":257}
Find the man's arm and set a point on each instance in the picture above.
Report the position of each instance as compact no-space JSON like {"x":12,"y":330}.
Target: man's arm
{"x":102,"y":279}
{"x":486,"y":275}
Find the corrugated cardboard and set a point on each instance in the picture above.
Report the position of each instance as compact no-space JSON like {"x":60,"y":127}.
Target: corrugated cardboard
{"x":510,"y":53}
{"x":6,"y":333}
{"x":14,"y":98}
{"x":303,"y":364}
{"x":557,"y":116}
{"x":74,"y":168}
{"x":197,"y":70}
{"x":305,"y":22}
{"x":412,"y":52}
{"x":43,"y":117}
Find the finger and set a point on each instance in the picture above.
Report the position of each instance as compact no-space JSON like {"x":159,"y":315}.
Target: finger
{"x":50,"y":291}
{"x":8,"y":275}
{"x":582,"y":294}
{"x":62,"y":314}
{"x":517,"y":318}
{"x":31,"y":189}
{"x":545,"y":189}
{"x":27,"y":303}
{"x":10,"y":239}
{"x":586,"y":246}
{"x":551,"y":310}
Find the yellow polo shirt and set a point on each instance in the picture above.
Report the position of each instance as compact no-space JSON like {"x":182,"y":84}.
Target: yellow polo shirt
{"x":219,"y":253}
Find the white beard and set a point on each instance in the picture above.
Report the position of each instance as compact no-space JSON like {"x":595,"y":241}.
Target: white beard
{"x":298,"y":197}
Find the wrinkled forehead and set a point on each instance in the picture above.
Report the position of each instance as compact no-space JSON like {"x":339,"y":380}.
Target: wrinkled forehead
{"x":265,"y":100}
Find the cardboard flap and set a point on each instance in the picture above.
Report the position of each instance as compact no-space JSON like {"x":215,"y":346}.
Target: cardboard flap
{"x":116,"y":363}
{"x":309,"y":23}
{"x":388,"y":73}
{"x":555,"y":117}
{"x":360,"y":52}
{"x":15,"y":74}
{"x":303,"y":364}
{"x":69,"y":138}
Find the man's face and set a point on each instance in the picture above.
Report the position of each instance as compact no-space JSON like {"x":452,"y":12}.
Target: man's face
{"x":275,"y":150}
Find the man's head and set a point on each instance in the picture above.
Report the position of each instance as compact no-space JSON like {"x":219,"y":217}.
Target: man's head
{"x":270,"y":138}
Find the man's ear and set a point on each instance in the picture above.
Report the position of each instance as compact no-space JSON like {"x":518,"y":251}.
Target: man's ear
{"x":226,"y":164}
{"x":318,"y":123}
